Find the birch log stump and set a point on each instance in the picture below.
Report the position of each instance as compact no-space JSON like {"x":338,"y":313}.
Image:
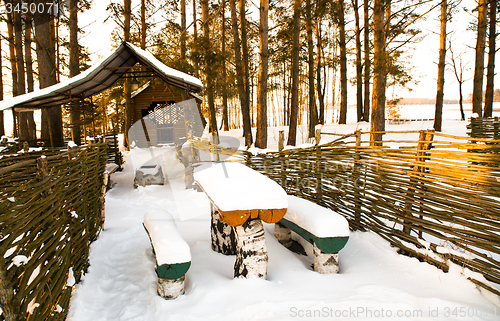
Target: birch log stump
{"x":325,"y":263}
{"x":171,"y":289}
{"x":223,"y":235}
{"x":251,"y":250}
{"x":283,"y":234}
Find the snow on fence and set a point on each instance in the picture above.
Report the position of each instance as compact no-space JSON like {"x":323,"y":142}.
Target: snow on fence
{"x":51,"y":210}
{"x":437,"y":199}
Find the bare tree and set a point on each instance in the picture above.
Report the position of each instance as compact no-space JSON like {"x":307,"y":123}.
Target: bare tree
{"x":458,"y":71}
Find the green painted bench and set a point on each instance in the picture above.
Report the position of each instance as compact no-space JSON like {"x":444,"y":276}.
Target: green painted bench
{"x":325,"y":230}
{"x":172,"y":253}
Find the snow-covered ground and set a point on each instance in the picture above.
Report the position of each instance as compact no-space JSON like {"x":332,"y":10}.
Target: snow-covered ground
{"x":374,"y":282}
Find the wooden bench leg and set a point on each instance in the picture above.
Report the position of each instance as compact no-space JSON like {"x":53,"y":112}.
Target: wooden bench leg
{"x":171,"y":289}
{"x":325,"y":263}
{"x":283,"y":234}
{"x":223,"y":235}
{"x":251,"y":250}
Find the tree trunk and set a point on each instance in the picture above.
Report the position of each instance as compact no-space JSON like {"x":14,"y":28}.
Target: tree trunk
{"x":29,"y":72}
{"x":2,"y":126}
{"x":251,"y":250}
{"x":313,"y":113}
{"x":222,"y":235}
{"x":12,"y":53}
{"x":441,"y":68}
{"x":379,"y":72}
{"x":143,"y":24}
{"x":225,"y":113}
{"x":21,"y":80}
{"x":261,"y":139}
{"x":247,"y":125}
{"x":294,"y":105}
{"x":127,"y":11}
{"x":343,"y":65}
{"x":195,"y":37}
{"x":245,"y":110}
{"x":74,"y":67}
{"x":477,"y":91}
{"x":490,"y":75}
{"x":359,"y":65}
{"x":208,"y":70}
{"x":366,"y":105}
{"x":319,"y":88}
{"x":183,"y":30}
{"x":13,"y":64}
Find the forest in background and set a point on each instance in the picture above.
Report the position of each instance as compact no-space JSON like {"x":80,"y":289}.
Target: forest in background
{"x":272,"y":63}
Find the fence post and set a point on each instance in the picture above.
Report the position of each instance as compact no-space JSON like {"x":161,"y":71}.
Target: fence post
{"x":356,"y":178}
{"x":318,"y":136}
{"x":6,"y":298}
{"x":281,"y":140}
{"x":424,"y":144}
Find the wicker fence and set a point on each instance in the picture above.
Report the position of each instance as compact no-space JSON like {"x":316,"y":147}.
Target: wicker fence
{"x":434,"y":196}
{"x":51,"y":207}
{"x":484,"y":128}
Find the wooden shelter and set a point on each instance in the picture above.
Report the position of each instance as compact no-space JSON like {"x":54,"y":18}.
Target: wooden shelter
{"x":124,"y":61}
{"x":156,"y":104}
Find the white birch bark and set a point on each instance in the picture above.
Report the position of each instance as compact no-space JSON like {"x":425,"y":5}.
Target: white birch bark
{"x":325,"y":263}
{"x":171,"y":289}
{"x":223,"y":235}
{"x":251,"y":250}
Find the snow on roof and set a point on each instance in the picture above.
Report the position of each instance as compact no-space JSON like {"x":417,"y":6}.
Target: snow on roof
{"x":317,"y":220}
{"x":100,"y":77}
{"x":242,"y":188}
{"x":137,"y":92}
{"x":169,"y":246}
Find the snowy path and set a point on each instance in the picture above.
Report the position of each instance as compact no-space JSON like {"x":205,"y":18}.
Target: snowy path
{"x":374,"y":283}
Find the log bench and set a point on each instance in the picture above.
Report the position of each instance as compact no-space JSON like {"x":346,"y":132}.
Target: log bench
{"x":172,"y":253}
{"x":324,"y":229}
{"x":241,"y":199}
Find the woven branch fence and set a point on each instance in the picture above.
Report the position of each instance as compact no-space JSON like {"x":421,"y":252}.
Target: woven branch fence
{"x":51,"y":210}
{"x":484,"y":128}
{"x":435,"y":197}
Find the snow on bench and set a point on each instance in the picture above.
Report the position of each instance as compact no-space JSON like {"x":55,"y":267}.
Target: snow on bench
{"x":326,"y":230}
{"x":173,"y":256}
{"x":240,"y":198}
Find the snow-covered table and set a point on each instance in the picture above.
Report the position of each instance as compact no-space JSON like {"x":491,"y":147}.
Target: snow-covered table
{"x":240,"y":198}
